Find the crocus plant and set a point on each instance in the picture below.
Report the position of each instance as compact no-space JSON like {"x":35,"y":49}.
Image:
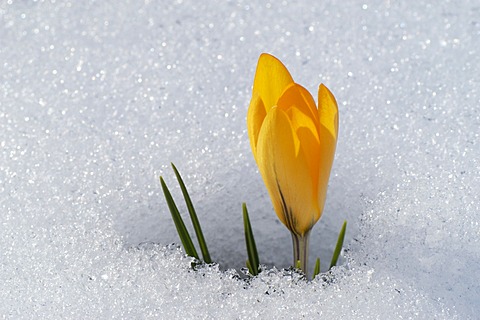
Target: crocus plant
{"x":293,"y":143}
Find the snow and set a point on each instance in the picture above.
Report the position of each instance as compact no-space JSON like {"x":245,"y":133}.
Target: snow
{"x":98,"y":97}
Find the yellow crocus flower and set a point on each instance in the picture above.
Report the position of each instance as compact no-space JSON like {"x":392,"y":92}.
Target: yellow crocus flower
{"x":293,"y":143}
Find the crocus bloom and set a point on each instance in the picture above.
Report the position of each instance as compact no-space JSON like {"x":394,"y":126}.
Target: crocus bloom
{"x":293,"y":143}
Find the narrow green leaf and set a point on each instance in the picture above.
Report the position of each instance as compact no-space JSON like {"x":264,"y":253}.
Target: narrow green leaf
{"x":338,"y":247}
{"x":316,"y":270}
{"x":194,"y":218}
{"x":249,"y":266}
{"x":250,"y":242}
{"x":177,"y":219}
{"x":298,"y":265}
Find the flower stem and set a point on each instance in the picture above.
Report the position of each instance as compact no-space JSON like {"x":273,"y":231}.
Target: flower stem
{"x":300,"y":250}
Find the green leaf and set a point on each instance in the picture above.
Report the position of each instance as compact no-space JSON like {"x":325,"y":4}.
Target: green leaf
{"x":338,"y":247}
{"x":194,"y":218}
{"x":177,"y":219}
{"x":249,"y":266}
{"x":250,"y":242}
{"x":298,"y":265}
{"x":316,"y":270}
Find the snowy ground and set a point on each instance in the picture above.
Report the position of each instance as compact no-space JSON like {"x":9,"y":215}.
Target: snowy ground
{"x":98,"y":97}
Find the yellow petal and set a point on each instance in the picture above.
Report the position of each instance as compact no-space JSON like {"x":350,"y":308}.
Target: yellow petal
{"x":295,"y":94}
{"x":286,"y":174}
{"x":300,"y":107}
{"x":255,"y":116}
{"x":271,"y":78}
{"x":328,"y":116}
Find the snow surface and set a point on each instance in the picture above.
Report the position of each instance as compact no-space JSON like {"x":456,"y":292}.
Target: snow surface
{"x":98,"y":97}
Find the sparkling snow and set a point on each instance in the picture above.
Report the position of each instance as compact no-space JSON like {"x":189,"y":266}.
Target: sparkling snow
{"x":98,"y":97}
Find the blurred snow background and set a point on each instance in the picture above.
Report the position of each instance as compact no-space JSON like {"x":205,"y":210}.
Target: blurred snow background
{"x":98,"y":97}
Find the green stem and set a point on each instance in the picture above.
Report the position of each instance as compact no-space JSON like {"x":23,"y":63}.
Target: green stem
{"x":300,"y":250}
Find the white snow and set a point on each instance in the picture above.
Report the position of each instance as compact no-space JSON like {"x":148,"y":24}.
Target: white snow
{"x":98,"y":97}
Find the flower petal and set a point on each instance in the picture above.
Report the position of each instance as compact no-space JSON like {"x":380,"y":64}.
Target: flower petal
{"x":328,"y":116}
{"x":271,"y":78}
{"x":295,"y":94}
{"x":303,"y":114}
{"x":286,"y":173}
{"x":255,"y":116}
